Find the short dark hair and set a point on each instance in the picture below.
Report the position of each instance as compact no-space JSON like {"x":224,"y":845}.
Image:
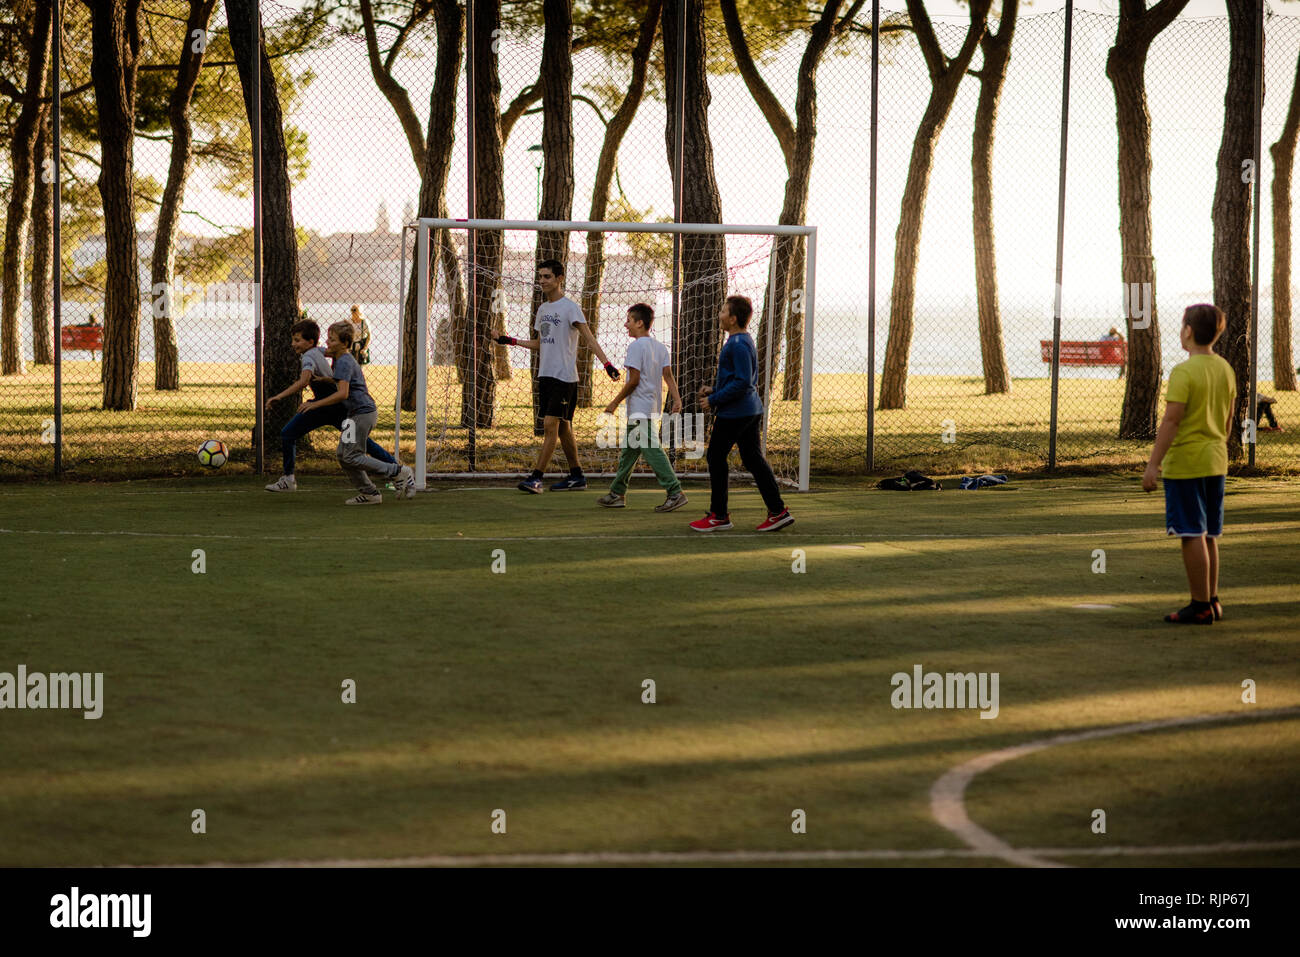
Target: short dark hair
{"x":1207,"y":322}
{"x":554,"y":265}
{"x":307,"y":329}
{"x":741,"y":309}
{"x":642,"y":312}
{"x":344,"y":331}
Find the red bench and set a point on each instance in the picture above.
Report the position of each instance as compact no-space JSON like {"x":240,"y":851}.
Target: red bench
{"x":84,"y":337}
{"x":1103,"y":352}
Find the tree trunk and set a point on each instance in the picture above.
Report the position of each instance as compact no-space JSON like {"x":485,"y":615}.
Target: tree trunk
{"x":796,"y":141}
{"x":115,"y":38}
{"x":790,"y":250}
{"x":793,"y":379}
{"x":1126,"y":68}
{"x":478,"y":387}
{"x":436,"y":161}
{"x":1143,"y":375}
{"x":945,"y":78}
{"x":280,"y":308}
{"x":43,"y":250}
{"x":451,"y":328}
{"x":1232,"y":206}
{"x":1283,"y":152}
{"x":594,"y":268}
{"x":993,"y":73}
{"x":18,"y":215}
{"x":557,"y":154}
{"x":166,"y":376}
{"x":703,"y":257}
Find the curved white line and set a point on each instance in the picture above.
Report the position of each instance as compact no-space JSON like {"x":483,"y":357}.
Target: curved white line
{"x":947,"y":795}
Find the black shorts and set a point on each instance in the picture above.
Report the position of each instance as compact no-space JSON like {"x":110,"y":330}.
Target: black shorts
{"x":557,"y":398}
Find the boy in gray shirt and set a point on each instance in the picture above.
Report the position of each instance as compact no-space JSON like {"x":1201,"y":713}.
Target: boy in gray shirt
{"x":361,"y":417}
{"x":316,"y":374}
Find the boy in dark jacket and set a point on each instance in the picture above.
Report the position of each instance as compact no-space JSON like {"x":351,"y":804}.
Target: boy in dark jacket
{"x":734,"y":398}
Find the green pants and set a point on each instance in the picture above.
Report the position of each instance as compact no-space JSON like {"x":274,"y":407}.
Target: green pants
{"x":639,"y":439}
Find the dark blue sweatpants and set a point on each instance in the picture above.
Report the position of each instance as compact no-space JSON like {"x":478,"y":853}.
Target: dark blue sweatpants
{"x":312,"y":419}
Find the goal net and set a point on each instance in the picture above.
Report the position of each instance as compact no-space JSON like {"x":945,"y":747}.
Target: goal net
{"x":473,"y":403}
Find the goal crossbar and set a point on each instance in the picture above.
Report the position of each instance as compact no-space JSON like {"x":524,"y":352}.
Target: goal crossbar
{"x":423,"y":226}
{"x":571,"y":226}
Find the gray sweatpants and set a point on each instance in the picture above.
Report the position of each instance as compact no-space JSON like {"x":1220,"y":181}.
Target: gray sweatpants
{"x":352,"y":454}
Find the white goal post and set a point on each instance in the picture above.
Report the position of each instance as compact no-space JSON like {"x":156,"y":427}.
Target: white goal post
{"x":423,"y":227}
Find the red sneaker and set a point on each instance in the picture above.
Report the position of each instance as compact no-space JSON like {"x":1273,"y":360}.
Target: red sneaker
{"x":711,"y":523}
{"x":773,"y":522}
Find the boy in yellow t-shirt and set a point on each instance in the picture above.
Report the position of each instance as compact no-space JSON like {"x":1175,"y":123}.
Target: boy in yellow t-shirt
{"x":1193,"y":444}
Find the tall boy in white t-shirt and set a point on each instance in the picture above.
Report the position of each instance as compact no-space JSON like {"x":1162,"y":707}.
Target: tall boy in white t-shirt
{"x":558,"y":326}
{"x":647,"y":367}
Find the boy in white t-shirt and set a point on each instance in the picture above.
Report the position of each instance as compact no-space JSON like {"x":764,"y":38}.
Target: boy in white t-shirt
{"x":648,"y":367}
{"x":557,"y":329}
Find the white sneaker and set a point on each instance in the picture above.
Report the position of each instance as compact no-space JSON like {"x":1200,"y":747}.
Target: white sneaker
{"x":363,"y":498}
{"x":285,"y":483}
{"x":404,"y":483}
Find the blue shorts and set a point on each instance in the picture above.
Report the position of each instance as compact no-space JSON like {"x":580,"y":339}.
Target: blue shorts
{"x":1194,"y":506}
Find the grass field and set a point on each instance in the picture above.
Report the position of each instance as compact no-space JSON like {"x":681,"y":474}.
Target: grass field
{"x":522,"y":691}
{"x":989,"y":433}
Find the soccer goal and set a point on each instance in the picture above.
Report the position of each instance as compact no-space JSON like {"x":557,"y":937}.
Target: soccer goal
{"x":476,"y":406}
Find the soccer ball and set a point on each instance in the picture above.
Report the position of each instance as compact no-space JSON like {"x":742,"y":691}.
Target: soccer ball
{"x":213,"y":454}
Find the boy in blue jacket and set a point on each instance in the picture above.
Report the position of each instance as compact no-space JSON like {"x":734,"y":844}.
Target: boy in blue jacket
{"x":734,"y":398}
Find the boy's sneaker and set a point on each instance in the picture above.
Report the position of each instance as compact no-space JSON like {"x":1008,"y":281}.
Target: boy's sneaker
{"x":1190,"y":615}
{"x":610,"y":500}
{"x":712,"y":523}
{"x":404,"y":483}
{"x":285,"y":483}
{"x":773,"y":522}
{"x":672,"y":503}
{"x":574,"y":483}
{"x":533,"y":485}
{"x":366,"y":498}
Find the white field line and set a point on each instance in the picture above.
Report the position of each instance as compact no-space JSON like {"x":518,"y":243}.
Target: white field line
{"x":583,"y":858}
{"x":1100,"y":535}
{"x":947,"y":795}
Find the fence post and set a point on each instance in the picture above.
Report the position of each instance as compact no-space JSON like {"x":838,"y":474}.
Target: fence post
{"x":679,"y":157}
{"x":471,"y":201}
{"x":56,"y":89}
{"x":871,"y":240}
{"x":259,"y":414}
{"x":1254,"y":256}
{"x":1060,"y":234}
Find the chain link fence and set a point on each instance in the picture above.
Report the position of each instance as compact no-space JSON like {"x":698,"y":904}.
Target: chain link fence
{"x":975,"y":394}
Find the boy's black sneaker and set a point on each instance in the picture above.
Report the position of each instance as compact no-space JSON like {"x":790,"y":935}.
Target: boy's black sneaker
{"x":1191,"y":615}
{"x":574,"y":483}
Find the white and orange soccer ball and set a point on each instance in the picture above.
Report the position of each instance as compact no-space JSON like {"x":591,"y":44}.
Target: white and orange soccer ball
{"x":213,"y":454}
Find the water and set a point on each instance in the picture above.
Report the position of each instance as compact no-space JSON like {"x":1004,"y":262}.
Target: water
{"x":945,"y":338}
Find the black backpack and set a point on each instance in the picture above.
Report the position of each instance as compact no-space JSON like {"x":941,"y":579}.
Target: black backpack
{"x":912,"y":481}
